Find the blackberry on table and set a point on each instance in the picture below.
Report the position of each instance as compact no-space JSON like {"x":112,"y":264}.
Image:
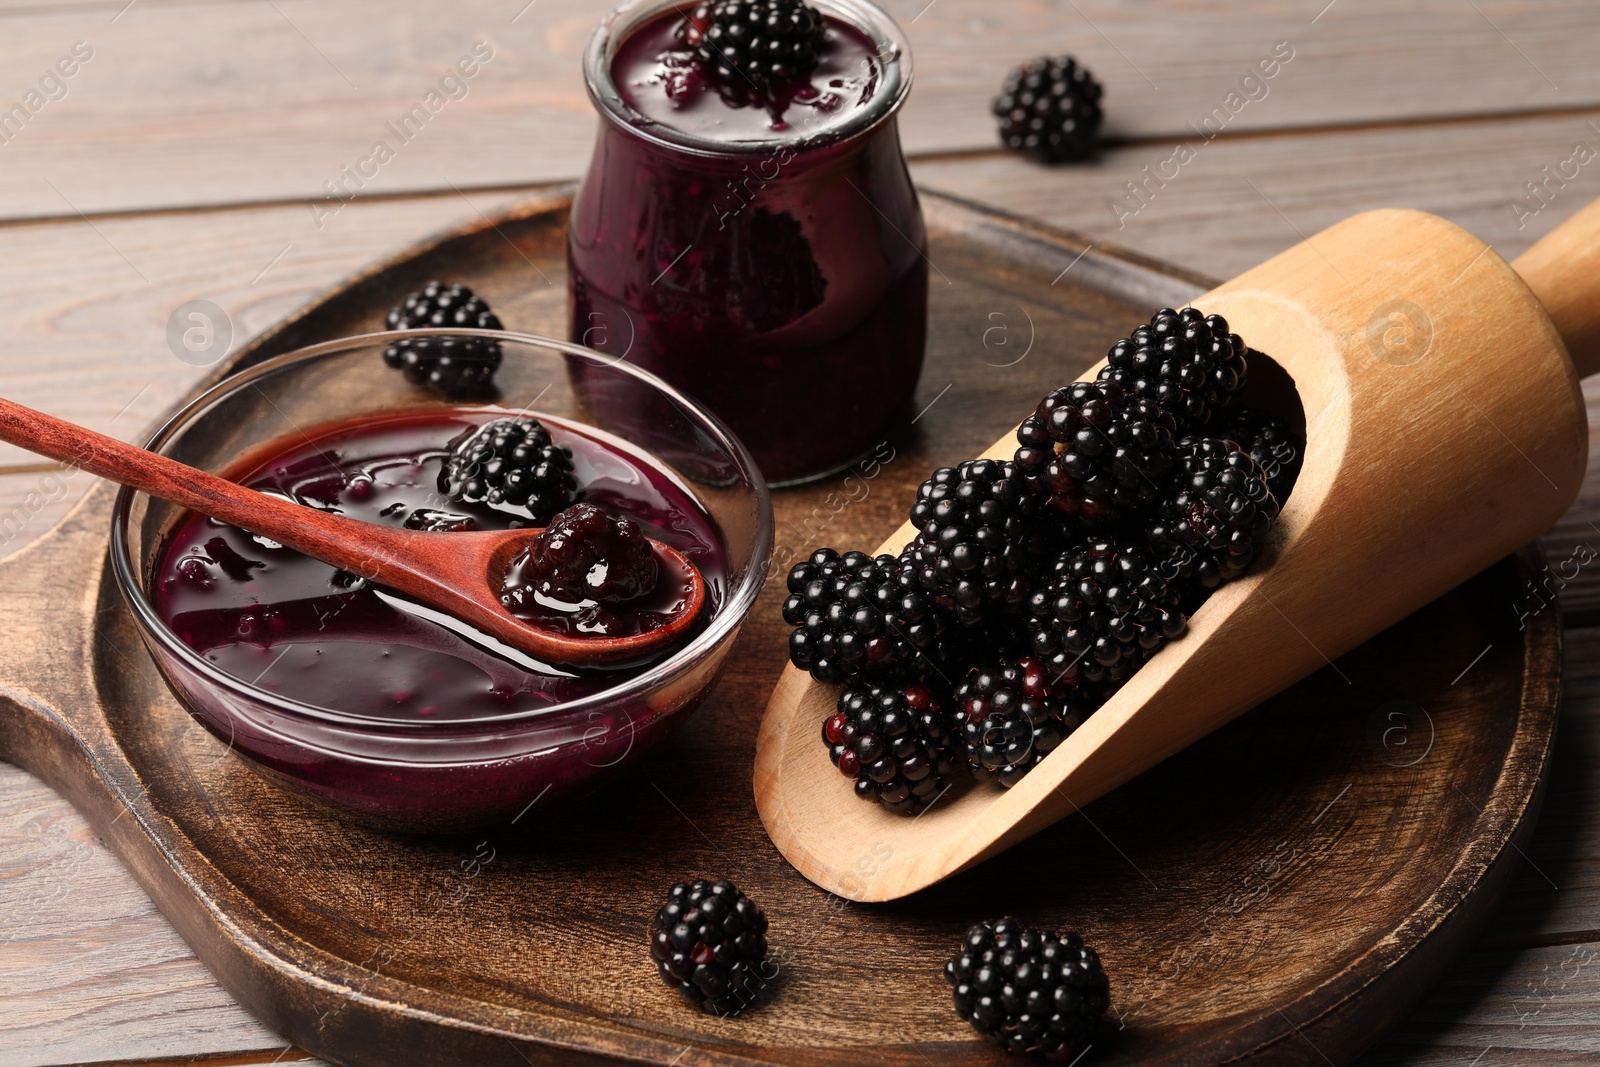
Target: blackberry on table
{"x":759,"y":44}
{"x":1013,"y":713}
{"x":1029,"y":991}
{"x":1219,"y":503}
{"x":1271,"y":443}
{"x":709,"y":941}
{"x":1049,"y":109}
{"x":1103,"y":611}
{"x":1187,"y":362}
{"x":454,"y":366}
{"x":858,"y":619}
{"x":586,"y":553}
{"x":978,"y":536}
{"x":1097,"y":451}
{"x":510,"y":462}
{"x":896,"y":742}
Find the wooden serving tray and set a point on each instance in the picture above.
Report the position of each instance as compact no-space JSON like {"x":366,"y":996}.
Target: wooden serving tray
{"x":1280,"y":892}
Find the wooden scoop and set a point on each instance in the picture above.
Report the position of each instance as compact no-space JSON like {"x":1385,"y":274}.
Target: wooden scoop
{"x":457,"y":573}
{"x":1445,"y":428}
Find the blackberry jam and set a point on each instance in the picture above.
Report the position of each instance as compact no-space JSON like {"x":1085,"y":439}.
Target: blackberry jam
{"x":762,"y":250}
{"x":301,"y":629}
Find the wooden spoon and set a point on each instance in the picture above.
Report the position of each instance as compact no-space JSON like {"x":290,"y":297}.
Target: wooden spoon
{"x":457,"y":573}
{"x":1445,"y":428}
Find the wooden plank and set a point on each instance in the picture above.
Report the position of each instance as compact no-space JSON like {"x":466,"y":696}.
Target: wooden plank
{"x":96,"y":349}
{"x":89,"y":969}
{"x":90,"y":348}
{"x":1535,"y":1007}
{"x":230,"y":103}
{"x":1236,"y":203}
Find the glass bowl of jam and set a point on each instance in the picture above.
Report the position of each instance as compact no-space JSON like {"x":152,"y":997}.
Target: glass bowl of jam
{"x":381,"y":707}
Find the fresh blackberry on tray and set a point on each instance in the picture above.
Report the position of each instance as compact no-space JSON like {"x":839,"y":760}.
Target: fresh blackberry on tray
{"x":1220,"y":503}
{"x":1103,"y":611}
{"x":1271,"y":443}
{"x":455,"y":366}
{"x":896,"y":742}
{"x":1049,"y":109}
{"x":1187,"y":362}
{"x":756,"y":44}
{"x":1097,"y":451}
{"x":511,"y":462}
{"x":1013,"y":713}
{"x":586,"y":553}
{"x":978,"y":535}
{"x":709,"y":941}
{"x":857,"y":618}
{"x":1029,"y":991}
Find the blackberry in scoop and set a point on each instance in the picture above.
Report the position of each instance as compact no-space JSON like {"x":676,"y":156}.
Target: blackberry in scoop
{"x":1049,"y":109}
{"x":1188,"y":363}
{"x":895,"y":742}
{"x":1029,"y":991}
{"x":1271,"y":443}
{"x":1104,"y":610}
{"x":454,"y":366}
{"x":1219,"y":503}
{"x":1097,"y":451}
{"x":709,"y":942}
{"x":978,"y":536}
{"x":759,"y":44}
{"x":587,"y":554}
{"x":859,"y":619}
{"x":510,"y":463}
{"x":1012,"y":713}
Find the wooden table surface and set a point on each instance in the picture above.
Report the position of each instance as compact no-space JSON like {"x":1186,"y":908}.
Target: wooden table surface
{"x":208,"y":150}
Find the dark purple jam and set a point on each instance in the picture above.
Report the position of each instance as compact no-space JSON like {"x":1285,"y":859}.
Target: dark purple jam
{"x":776,"y":269}
{"x":656,"y":72}
{"x":304,"y":630}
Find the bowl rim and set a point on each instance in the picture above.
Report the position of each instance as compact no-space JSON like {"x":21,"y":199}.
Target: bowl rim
{"x":742,"y":593}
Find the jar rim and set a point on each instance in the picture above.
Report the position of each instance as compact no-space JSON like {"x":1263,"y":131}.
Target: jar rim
{"x":893,"y":52}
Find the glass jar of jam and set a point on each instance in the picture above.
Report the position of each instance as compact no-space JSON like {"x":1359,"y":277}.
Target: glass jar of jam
{"x":761,"y":249}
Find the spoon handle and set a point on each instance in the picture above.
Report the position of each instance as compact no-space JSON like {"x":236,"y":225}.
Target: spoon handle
{"x":330,"y":538}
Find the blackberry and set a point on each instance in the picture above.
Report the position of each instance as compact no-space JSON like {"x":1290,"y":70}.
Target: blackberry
{"x":1097,"y":451}
{"x":978,"y":537}
{"x":585,"y":554}
{"x":1104,"y":610}
{"x":1279,"y":450}
{"x":1219,"y":503}
{"x":895,"y":742}
{"x":455,"y":366}
{"x":1187,"y":362}
{"x":756,"y":44}
{"x":1049,"y":109}
{"x":1192,"y":573}
{"x":857,"y":618}
{"x":510,"y":463}
{"x":709,"y":941}
{"x":1029,"y":991}
{"x":1012,"y":714}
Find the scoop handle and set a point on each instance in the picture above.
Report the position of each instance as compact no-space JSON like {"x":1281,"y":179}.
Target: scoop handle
{"x":1563,"y":270}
